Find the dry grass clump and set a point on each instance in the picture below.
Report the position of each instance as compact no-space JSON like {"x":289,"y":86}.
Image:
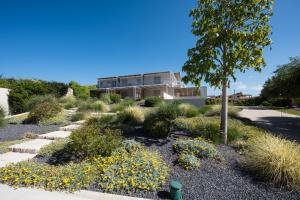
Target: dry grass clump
{"x":274,"y":159}
{"x":132,"y":115}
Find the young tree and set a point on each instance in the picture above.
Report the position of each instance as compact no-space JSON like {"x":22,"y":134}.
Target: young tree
{"x":231,"y":36}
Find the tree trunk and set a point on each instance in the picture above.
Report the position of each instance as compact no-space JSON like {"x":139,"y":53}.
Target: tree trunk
{"x":224,"y":110}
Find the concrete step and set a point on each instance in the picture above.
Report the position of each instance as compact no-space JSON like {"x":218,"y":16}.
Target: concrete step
{"x":32,"y":146}
{"x":79,"y":122}
{"x":14,"y":157}
{"x":55,"y":135}
{"x":71,"y":127}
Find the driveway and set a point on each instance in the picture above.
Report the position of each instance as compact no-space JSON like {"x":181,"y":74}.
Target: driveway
{"x":279,"y":123}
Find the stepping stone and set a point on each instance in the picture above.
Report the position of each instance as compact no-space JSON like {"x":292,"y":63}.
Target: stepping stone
{"x":13,"y":157}
{"x":32,"y":146}
{"x":71,"y":127}
{"x":55,"y":135}
{"x":79,"y":122}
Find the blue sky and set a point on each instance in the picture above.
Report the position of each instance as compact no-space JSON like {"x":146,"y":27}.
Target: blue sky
{"x":82,"y":40}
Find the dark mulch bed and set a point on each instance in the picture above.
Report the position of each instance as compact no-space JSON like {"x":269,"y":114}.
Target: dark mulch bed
{"x":16,"y":131}
{"x":214,"y":180}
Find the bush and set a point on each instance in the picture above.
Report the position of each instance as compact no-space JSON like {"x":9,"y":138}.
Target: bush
{"x":153,"y":101}
{"x":30,"y":135}
{"x":216,"y":111}
{"x":188,"y":110}
{"x":198,"y":147}
{"x":94,"y":139}
{"x":105,"y":98}
{"x":68,"y":102}
{"x":131,"y":116}
{"x":54,"y":147}
{"x":59,"y":119}
{"x":44,"y":111}
{"x":115,"y":98}
{"x":99,"y":106}
{"x":122,"y":105}
{"x":131,"y":145}
{"x":213,"y":101}
{"x":157,"y":128}
{"x":36,"y":100}
{"x":205,"y":109}
{"x":274,"y":159}
{"x":68,"y":177}
{"x":2,"y":117}
{"x":266,"y":103}
{"x":188,"y":161}
{"x":136,"y":171}
{"x":77,"y":116}
{"x":167,"y":111}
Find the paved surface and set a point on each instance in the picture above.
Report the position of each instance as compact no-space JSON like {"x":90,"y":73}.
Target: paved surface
{"x":8,"y":193}
{"x":55,"y":135}
{"x":69,"y":127}
{"x":280,"y":123}
{"x":32,"y":146}
{"x":14,"y":157}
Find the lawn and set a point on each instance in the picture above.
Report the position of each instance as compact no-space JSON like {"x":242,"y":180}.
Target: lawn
{"x":292,"y":111}
{"x":139,"y":151}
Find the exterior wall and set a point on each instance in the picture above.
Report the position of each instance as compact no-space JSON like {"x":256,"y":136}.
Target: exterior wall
{"x":131,"y":81}
{"x":4,"y":92}
{"x":107,"y":83}
{"x":197,"y":101}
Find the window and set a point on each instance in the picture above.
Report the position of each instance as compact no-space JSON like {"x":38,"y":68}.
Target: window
{"x":124,"y":82}
{"x":157,"y":80}
{"x":114,"y":83}
{"x":139,"y":81}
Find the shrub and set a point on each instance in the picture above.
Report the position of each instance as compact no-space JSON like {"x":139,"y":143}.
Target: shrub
{"x":156,"y":128}
{"x":188,"y":161}
{"x":30,"y":135}
{"x":2,"y":116}
{"x":131,"y":145}
{"x":212,"y":101}
{"x":54,"y":147}
{"x":59,"y":119}
{"x":136,"y":171}
{"x":274,"y":159}
{"x":44,"y":111}
{"x":105,"y":98}
{"x":204,"y":109}
{"x":93,"y":106}
{"x":78,"y":116}
{"x":187,"y":110}
{"x":18,"y":119}
{"x":122,"y":105}
{"x":115,"y":98}
{"x":131,"y":116}
{"x":167,"y":111}
{"x":153,"y":101}
{"x":266,"y":103}
{"x":68,"y":102}
{"x":93,"y":139}
{"x":36,"y":100}
{"x":198,"y":147}
{"x":68,"y":177}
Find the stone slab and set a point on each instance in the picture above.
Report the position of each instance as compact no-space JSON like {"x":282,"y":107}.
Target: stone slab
{"x":14,"y":157}
{"x":55,"y":135}
{"x":9,"y":193}
{"x":71,"y":127}
{"x":79,"y":122}
{"x":32,"y":146}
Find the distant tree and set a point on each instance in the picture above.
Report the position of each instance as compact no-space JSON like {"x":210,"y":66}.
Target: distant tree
{"x":231,"y":36}
{"x":285,"y":83}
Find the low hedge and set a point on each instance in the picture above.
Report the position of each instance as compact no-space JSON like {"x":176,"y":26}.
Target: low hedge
{"x":153,"y":101}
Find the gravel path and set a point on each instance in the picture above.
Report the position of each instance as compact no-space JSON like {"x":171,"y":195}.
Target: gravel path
{"x":16,"y":131}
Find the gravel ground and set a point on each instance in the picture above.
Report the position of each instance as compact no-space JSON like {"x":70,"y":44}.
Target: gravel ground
{"x":16,"y":131}
{"x":215,"y":179}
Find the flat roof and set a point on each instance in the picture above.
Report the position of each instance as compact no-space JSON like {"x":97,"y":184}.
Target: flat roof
{"x":163,"y":72}
{"x":130,"y":75}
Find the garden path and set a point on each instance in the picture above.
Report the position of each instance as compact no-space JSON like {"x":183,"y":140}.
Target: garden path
{"x":280,"y":123}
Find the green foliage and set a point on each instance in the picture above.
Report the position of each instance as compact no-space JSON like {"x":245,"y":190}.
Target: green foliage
{"x":18,"y":119}
{"x":54,"y":147}
{"x":93,"y":139}
{"x":115,"y":98}
{"x":59,"y":119}
{"x":122,"y":105}
{"x":205,"y":109}
{"x":2,"y":121}
{"x":68,"y":177}
{"x":99,"y":106}
{"x":131,"y":116}
{"x":36,"y":100}
{"x":282,"y":84}
{"x":131,"y":145}
{"x":44,"y":111}
{"x":188,"y":110}
{"x":254,"y":101}
{"x":213,"y":101}
{"x":105,"y":98}
{"x":155,"y":127}
{"x":198,"y":147}
{"x":167,"y":111}
{"x":79,"y":90}
{"x":23,"y":90}
{"x":274,"y":159}
{"x":153,"y":101}
{"x":135,"y":171}
{"x":78,"y":116}
{"x":188,"y":161}
{"x":68,"y":102}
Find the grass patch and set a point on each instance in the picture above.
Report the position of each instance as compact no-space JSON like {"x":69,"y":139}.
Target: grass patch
{"x":290,"y":111}
{"x":131,"y":116}
{"x":5,"y":144}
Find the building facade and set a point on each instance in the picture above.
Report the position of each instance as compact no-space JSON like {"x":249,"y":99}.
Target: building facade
{"x":167,"y":85}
